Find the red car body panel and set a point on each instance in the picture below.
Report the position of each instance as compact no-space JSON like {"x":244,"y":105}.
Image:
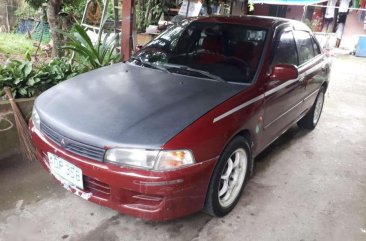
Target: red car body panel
{"x":145,"y":194}
{"x":157,"y":195}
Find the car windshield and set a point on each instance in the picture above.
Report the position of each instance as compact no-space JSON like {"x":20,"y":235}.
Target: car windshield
{"x":218,"y":51}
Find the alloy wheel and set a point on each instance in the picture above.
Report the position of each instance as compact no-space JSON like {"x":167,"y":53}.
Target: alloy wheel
{"x":232,"y":177}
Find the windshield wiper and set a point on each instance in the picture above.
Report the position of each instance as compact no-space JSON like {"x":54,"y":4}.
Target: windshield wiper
{"x":148,"y":64}
{"x":202,"y":72}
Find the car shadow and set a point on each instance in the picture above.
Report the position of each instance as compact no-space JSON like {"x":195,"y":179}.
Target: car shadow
{"x":265,"y":159}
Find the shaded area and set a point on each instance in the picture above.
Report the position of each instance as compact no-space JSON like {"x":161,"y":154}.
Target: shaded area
{"x":24,"y":182}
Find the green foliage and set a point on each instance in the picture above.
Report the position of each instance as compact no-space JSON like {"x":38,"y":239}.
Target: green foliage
{"x":75,"y":7}
{"x":69,"y":3}
{"x":27,"y":80}
{"x":24,"y":11}
{"x":92,"y":56}
{"x":149,"y":12}
{"x":35,"y":3}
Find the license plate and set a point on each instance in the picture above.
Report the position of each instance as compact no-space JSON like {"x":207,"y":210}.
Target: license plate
{"x":66,"y":170}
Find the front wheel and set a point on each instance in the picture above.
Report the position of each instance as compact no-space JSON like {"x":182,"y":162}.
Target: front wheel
{"x":311,"y":119}
{"x":229,"y":177}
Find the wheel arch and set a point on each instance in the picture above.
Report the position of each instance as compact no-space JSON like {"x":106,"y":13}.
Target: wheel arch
{"x":245,"y":133}
{"x":248,"y":136}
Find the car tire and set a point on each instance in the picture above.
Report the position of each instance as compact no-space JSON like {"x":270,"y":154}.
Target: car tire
{"x":231,"y":172}
{"x":311,"y":119}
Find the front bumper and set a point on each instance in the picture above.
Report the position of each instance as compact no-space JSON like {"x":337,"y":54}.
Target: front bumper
{"x":141,"y":193}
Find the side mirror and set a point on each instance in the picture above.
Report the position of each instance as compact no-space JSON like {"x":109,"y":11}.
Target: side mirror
{"x":284,"y":72}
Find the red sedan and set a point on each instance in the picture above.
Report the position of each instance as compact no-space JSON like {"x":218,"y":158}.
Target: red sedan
{"x":175,"y":130}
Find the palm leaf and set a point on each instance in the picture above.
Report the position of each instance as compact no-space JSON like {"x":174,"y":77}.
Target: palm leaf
{"x":97,"y":55}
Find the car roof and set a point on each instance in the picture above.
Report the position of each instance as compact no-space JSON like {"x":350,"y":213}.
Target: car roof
{"x":253,"y":20}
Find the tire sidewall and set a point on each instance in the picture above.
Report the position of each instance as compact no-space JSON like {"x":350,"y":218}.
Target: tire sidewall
{"x":236,"y":143}
{"x":307,"y":121}
{"x":321,"y":91}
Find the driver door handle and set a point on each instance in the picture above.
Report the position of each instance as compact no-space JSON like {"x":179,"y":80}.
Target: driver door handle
{"x":302,"y":79}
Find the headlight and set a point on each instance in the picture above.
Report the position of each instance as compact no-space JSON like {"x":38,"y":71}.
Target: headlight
{"x":35,"y":118}
{"x":149,"y":159}
{"x":173,"y":159}
{"x":132,"y":157}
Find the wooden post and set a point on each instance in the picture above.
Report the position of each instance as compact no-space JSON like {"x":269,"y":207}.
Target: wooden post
{"x":127,"y":27}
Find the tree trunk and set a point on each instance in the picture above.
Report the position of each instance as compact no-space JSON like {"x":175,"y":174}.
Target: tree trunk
{"x":53,"y":8}
{"x":7,"y":18}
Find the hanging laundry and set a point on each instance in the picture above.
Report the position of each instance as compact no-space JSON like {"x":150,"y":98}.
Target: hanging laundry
{"x":356,"y":3}
{"x":361,"y":13}
{"x":344,"y":5}
{"x":329,"y":13}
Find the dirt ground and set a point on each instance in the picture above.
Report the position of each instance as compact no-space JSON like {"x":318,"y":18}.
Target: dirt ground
{"x":306,"y":186}
{"x":41,"y":58}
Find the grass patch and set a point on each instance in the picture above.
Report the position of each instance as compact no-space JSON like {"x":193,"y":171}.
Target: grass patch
{"x":11,"y":44}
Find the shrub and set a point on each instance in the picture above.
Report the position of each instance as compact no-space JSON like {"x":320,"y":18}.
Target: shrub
{"x":28,"y":80}
{"x":91,"y":55}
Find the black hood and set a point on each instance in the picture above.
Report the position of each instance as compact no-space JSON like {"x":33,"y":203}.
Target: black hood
{"x":126,"y":105}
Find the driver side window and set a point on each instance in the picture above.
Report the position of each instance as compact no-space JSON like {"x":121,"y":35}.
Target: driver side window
{"x":285,"y":51}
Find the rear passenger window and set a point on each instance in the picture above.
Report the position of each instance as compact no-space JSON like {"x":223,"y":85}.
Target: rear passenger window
{"x":285,"y":52}
{"x":304,"y":46}
{"x":316,"y":47}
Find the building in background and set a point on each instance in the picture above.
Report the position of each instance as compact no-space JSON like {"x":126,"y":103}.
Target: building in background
{"x":342,"y":21}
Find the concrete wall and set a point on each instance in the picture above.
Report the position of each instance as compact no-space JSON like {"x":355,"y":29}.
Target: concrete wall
{"x":238,"y":8}
{"x":352,"y":30}
{"x":261,"y":9}
{"x":9,"y":142}
{"x":295,"y":12}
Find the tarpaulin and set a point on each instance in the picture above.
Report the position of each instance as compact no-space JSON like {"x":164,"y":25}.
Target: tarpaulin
{"x":289,"y":2}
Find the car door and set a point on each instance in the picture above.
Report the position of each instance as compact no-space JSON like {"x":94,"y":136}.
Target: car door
{"x":313,"y":69}
{"x":282,"y":98}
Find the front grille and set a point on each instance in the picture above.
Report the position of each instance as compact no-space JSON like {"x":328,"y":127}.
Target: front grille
{"x":92,"y":152}
{"x":96,"y":187}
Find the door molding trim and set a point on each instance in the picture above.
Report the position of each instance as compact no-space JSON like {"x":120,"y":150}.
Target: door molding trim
{"x":293,"y":107}
{"x":311,"y":94}
{"x":281,"y":86}
{"x":283,"y":114}
{"x":239,"y":107}
{"x":259,"y":97}
{"x":255,"y":99}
